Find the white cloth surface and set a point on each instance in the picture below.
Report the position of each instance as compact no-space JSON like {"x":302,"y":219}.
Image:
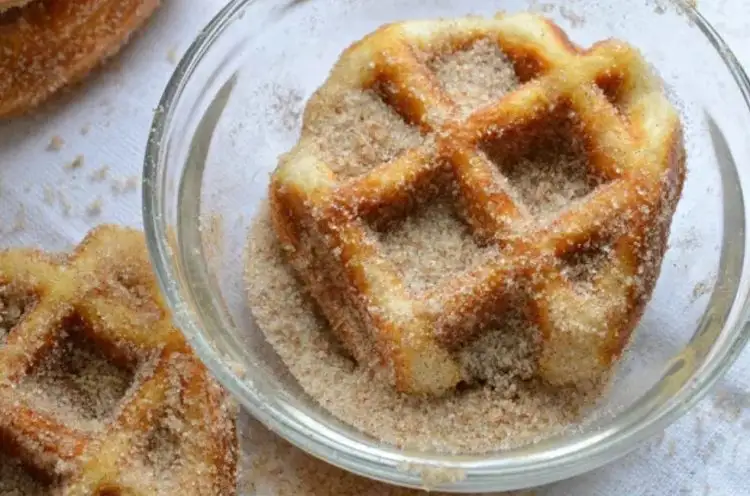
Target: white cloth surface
{"x":106,"y":121}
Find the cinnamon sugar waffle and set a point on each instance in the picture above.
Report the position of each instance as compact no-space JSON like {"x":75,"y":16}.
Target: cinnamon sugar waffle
{"x":579,"y":263}
{"x":49,"y":44}
{"x":99,"y":393}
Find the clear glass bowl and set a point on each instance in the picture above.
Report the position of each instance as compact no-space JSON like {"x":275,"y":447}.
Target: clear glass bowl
{"x":226,"y":116}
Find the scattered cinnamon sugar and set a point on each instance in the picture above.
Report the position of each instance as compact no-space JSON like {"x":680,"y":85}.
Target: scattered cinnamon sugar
{"x":357,"y":131}
{"x":275,"y":467}
{"x":286,"y":104}
{"x":478,"y":420}
{"x":99,"y":174}
{"x":76,"y":163}
{"x":172,"y":56}
{"x":475,"y":77}
{"x":121,"y":186}
{"x":576,"y":20}
{"x":94,"y":209}
{"x":56,"y":144}
{"x":48,"y":194}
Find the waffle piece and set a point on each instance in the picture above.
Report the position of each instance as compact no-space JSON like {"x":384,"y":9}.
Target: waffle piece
{"x":99,"y":393}
{"x":580,"y":271}
{"x":50,"y":44}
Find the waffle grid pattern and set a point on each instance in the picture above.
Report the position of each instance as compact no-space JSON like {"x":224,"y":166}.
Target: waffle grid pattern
{"x":104,"y":297}
{"x":606,"y":98}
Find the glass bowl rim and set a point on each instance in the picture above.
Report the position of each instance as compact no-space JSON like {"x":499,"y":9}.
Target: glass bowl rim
{"x":594,"y":450}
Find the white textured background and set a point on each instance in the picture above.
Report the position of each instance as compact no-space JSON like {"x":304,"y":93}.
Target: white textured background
{"x":106,"y":122}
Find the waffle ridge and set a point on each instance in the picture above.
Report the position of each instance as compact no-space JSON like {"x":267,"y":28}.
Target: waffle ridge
{"x":605,"y":98}
{"x":103,"y":297}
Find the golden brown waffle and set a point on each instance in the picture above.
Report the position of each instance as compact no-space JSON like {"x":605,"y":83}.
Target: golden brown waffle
{"x":99,"y":393}
{"x":581,"y":275}
{"x":50,"y":44}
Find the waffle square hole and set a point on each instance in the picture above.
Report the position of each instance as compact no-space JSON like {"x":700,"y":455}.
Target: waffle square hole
{"x":78,"y":381}
{"x":581,"y":267}
{"x":358,"y":130}
{"x":474,"y":75}
{"x":545,"y":162}
{"x":429,"y":244}
{"x":15,"y":303}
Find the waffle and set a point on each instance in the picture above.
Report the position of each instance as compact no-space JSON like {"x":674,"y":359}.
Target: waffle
{"x":99,"y":393}
{"x":50,"y":44}
{"x":580,"y":275}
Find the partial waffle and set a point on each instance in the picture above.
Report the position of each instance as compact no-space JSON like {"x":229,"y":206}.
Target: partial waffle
{"x":580,"y":275}
{"x":50,"y":44}
{"x":99,"y":393}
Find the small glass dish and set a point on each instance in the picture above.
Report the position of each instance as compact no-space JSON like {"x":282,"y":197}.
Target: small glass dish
{"x":233,"y":105}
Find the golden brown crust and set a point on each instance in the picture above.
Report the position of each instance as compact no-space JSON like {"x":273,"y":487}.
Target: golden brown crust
{"x":605,"y":99}
{"x":50,"y":44}
{"x":104,"y":298}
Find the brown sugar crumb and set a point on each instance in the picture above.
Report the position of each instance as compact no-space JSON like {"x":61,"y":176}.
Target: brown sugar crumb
{"x":48,"y":195}
{"x":16,"y":481}
{"x":576,"y":20}
{"x":480,"y":419}
{"x":477,"y":76}
{"x":65,"y":205}
{"x":99,"y":174}
{"x":94,"y":209}
{"x":19,"y":221}
{"x":76,"y":382}
{"x":76,"y":163}
{"x":357,"y":131}
{"x":172,"y":57}
{"x":124,"y":185}
{"x":56,"y":144}
{"x":445,"y":245}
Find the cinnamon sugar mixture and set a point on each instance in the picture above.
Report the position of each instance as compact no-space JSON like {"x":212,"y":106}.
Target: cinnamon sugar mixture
{"x":506,"y":406}
{"x":275,"y":467}
{"x":510,"y":410}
